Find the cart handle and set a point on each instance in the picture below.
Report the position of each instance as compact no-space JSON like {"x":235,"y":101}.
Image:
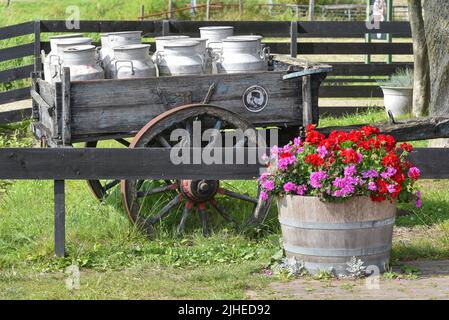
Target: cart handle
{"x":306,"y":72}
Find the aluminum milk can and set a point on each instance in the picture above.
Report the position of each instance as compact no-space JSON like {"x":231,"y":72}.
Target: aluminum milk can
{"x":180,"y":58}
{"x":53,"y":60}
{"x":206,"y":53}
{"x":161,"y":41}
{"x":131,"y":61}
{"x":264,"y":49}
{"x":115,"y":39}
{"x":82,"y":62}
{"x":215,"y":35}
{"x":241,"y":55}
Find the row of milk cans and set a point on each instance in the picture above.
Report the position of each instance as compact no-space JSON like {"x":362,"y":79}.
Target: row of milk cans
{"x":122,"y":55}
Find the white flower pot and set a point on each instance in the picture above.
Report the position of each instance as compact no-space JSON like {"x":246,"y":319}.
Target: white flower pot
{"x":398,"y":100}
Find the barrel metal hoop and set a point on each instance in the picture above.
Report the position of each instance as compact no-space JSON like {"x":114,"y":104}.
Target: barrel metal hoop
{"x":337,"y":252}
{"x":337,"y":226}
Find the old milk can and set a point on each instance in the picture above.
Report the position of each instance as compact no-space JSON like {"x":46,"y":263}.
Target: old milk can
{"x":115,"y":39}
{"x":131,"y":61}
{"x":180,"y":58}
{"x":205,"y":52}
{"x":215,"y":35}
{"x":241,"y":55}
{"x":82,"y":62}
{"x":53,"y":60}
{"x":161,"y":41}
{"x":264,"y":50}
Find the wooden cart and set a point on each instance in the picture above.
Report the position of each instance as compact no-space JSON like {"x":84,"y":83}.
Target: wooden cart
{"x":142,"y":113}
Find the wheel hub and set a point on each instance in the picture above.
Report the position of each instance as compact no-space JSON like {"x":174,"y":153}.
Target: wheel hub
{"x":199,"y":190}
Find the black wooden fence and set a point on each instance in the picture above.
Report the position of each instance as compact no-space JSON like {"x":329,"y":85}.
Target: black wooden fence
{"x":338,"y":85}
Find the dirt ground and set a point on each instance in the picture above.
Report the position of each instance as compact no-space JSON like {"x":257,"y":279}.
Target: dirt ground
{"x":433,"y":283}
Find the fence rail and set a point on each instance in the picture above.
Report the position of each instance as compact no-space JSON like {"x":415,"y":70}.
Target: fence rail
{"x":335,"y":87}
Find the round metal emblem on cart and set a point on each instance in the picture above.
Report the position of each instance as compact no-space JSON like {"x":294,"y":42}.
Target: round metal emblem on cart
{"x":255,"y":98}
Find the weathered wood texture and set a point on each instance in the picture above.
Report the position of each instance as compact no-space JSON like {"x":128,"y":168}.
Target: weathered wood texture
{"x":154,"y":163}
{"x":125,"y":106}
{"x":16,"y":73}
{"x":415,"y":129}
{"x":265,"y":28}
{"x":20,"y":51}
{"x":16,"y":30}
{"x":436,"y":20}
{"x":14,"y":115}
{"x":14,"y":95}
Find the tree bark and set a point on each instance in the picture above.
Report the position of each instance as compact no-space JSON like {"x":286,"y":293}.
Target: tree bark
{"x":421,"y":86}
{"x":436,"y":19}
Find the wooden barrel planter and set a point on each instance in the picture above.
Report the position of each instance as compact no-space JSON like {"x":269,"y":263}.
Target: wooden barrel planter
{"x":326,"y":235}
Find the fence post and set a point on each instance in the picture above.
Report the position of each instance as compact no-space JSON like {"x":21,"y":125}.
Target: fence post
{"x":368,"y":35}
{"x":142,"y":12}
{"x":170,"y":9}
{"x":207,"y":10}
{"x":311,"y":10}
{"x":59,"y":223}
{"x":389,"y":18}
{"x":241,"y":8}
{"x":37,"y":46}
{"x":293,"y":39}
{"x":165,"y":27}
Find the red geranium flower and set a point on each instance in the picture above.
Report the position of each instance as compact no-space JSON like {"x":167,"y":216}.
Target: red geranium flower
{"x":349,"y":155}
{"x":406,"y":146}
{"x":314,"y":159}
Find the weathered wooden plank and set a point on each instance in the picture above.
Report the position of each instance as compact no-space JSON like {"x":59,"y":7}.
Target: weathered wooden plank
{"x":354,"y":48}
{"x":102,"y":163}
{"x":148,"y":27}
{"x":126,"y":105}
{"x":264,"y":28}
{"x":371,"y":69}
{"x":59,"y":219}
{"x":413,"y":129}
{"x":14,"y":115}
{"x":351,"y":28}
{"x":20,"y":51}
{"x":52,"y":95}
{"x":16,"y":73}
{"x":306,"y":100}
{"x":14,"y":95}
{"x":350,"y":91}
{"x":37,"y":46}
{"x":66,"y":106}
{"x":16,"y":30}
{"x":322,"y":48}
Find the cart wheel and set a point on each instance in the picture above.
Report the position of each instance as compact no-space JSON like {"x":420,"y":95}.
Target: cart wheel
{"x":151,"y":202}
{"x":101,"y":189}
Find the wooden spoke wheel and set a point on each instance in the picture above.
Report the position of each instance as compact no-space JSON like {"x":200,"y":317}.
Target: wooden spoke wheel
{"x":187,"y":203}
{"x":101,"y":189}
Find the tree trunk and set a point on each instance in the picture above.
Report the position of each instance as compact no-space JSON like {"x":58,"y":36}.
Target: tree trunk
{"x":421,"y":86}
{"x":436,"y":14}
{"x":436,"y":21}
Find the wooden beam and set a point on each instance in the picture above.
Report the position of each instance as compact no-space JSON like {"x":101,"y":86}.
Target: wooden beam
{"x":410,"y":130}
{"x":59,"y":219}
{"x":16,"y":30}
{"x":20,"y":51}
{"x":66,"y":112}
{"x":153,"y":163}
{"x":102,"y":163}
